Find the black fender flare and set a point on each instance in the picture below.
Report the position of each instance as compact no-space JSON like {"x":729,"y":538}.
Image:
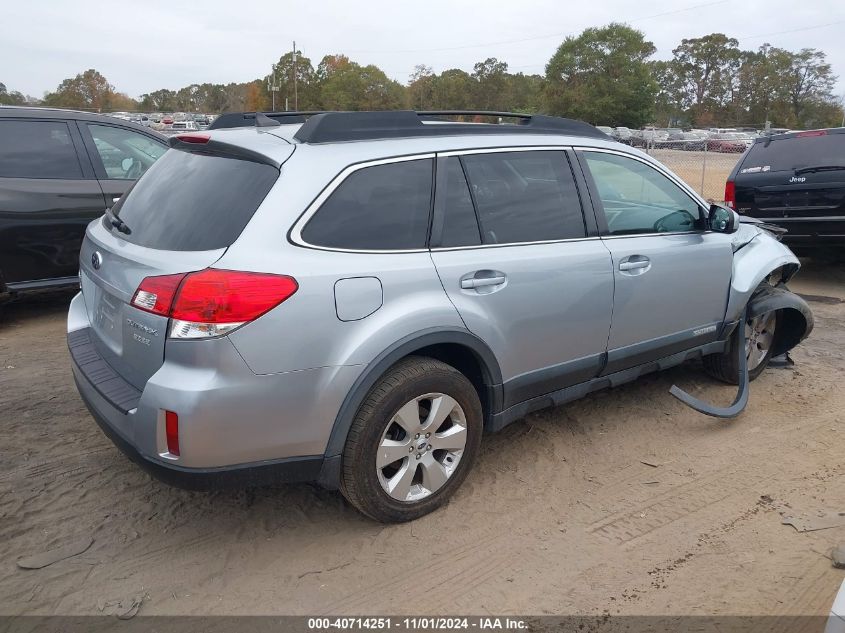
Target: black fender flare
{"x":492,"y":374}
{"x":796,"y":319}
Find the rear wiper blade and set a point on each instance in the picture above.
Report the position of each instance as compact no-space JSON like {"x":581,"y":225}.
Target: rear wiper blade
{"x":117,"y":223}
{"x":807,"y":170}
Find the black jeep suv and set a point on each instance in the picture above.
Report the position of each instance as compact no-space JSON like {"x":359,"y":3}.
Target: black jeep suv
{"x":59,"y":170}
{"x":796,"y":181}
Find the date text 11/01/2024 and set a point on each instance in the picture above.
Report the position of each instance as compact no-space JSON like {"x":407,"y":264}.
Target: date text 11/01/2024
{"x":417,"y":624}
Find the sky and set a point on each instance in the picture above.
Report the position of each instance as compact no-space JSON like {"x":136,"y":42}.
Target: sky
{"x":144,"y":46}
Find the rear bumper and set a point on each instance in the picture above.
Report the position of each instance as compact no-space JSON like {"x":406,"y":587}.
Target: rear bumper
{"x":819,"y":232}
{"x":112,"y":422}
{"x":288,"y":470}
{"x":235,"y":427}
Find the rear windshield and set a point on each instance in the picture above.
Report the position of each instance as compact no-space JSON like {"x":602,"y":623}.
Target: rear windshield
{"x":194,"y":202}
{"x":794,"y":153}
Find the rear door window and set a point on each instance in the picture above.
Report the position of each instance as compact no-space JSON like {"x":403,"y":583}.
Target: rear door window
{"x":125,"y":154}
{"x":37,"y":149}
{"x":797,"y":152}
{"x":524,"y":196}
{"x":382,"y":207}
{"x":194,"y":202}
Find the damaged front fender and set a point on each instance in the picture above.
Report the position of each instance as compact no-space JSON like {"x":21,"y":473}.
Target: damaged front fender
{"x":753,"y":263}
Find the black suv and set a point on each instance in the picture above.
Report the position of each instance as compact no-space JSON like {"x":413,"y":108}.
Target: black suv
{"x":60,"y":169}
{"x":796,"y":181}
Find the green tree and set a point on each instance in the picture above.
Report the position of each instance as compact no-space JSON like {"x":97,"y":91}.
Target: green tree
{"x":602,"y":76}
{"x":786,"y":88}
{"x":705,"y":74}
{"x":421,"y":88}
{"x":302,"y":95}
{"x":346,"y":85}
{"x":524,"y":93}
{"x":491,"y":87}
{"x":453,"y":90}
{"x":88,"y":91}
{"x":668,"y":103}
{"x":10,"y":98}
{"x":160,"y":100}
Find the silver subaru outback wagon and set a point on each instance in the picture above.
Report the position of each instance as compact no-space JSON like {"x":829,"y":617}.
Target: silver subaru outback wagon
{"x":353,"y":298}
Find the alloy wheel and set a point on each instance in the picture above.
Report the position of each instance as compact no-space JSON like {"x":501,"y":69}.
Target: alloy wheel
{"x":759,"y":335}
{"x":421,"y":447}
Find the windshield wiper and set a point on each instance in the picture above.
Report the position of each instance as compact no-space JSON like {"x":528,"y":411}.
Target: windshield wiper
{"x":807,"y":170}
{"x":117,"y":223}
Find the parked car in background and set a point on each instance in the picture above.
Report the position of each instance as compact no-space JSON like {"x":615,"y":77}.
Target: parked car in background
{"x":688,"y":141}
{"x":774,"y":131}
{"x":796,"y":181}
{"x":60,"y":169}
{"x":257,"y":310}
{"x":623,"y":134}
{"x":734,"y":142}
{"x":167,"y":120}
{"x":649,"y":137}
{"x":184,"y":126}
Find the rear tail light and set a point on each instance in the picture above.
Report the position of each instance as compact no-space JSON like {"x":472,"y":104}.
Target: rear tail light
{"x":212,"y":302}
{"x":155,"y":294}
{"x":171,"y":431}
{"x":730,"y":194}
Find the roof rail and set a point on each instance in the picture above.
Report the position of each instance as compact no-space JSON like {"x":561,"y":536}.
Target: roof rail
{"x":330,"y":127}
{"x":247,"y":119}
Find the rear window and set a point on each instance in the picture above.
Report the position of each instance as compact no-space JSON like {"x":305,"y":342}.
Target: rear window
{"x":794,"y":153}
{"x":37,"y":149}
{"x":194,"y":202}
{"x":383,"y":207}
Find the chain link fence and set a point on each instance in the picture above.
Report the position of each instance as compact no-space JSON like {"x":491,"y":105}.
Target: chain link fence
{"x":703,"y":165}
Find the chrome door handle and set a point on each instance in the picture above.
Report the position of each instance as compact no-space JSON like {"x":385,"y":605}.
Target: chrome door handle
{"x":481,"y":282}
{"x":635,"y":265}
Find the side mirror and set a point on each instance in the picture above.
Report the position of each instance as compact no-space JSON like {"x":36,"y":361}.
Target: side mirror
{"x":126,"y":164}
{"x":722,"y":220}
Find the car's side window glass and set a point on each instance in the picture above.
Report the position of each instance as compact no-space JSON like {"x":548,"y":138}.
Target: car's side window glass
{"x":37,"y":149}
{"x":525,"y":196}
{"x":639,"y":199}
{"x":383,"y":207}
{"x":125,"y":154}
{"x":460,"y":226}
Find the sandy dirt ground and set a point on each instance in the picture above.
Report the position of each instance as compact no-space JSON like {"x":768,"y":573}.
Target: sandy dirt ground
{"x":623,"y":503}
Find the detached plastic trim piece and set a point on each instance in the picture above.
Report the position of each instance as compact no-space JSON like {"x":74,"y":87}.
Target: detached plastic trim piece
{"x":741,"y":400}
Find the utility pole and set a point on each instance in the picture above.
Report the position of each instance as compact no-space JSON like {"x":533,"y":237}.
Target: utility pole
{"x":272,"y":85}
{"x":295,"y":94}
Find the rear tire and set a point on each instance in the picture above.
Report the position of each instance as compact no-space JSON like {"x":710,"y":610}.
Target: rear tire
{"x":412,"y":442}
{"x":760,"y":333}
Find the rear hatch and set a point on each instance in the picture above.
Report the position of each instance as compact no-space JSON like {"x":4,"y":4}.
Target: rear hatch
{"x":181,"y":216}
{"x":793,"y":176}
